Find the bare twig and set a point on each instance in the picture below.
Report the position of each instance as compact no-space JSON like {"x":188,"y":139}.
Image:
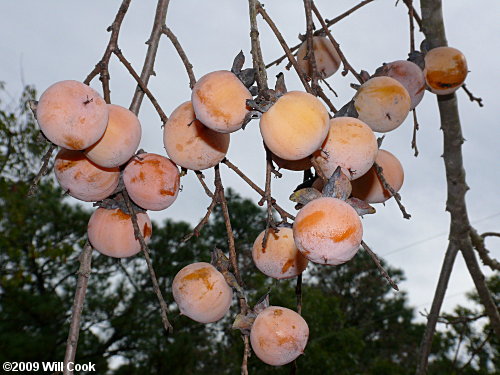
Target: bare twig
{"x":415,"y":129}
{"x":233,"y":257}
{"x":411,"y":12}
{"x":101,"y":67}
{"x":268,"y":199}
{"x":142,"y":85}
{"x":145,"y":250}
{"x":310,"y":50}
{"x":477,"y":350}
{"x":257,"y":59}
{"x":414,"y":13}
{"x":318,"y":32}
{"x":379,"y":265}
{"x":43,"y":170}
{"x":478,"y":243}
{"x":204,"y":221}
{"x":201,"y":178}
{"x":182,"y":55}
{"x":148,"y":67}
{"x":471,"y":96}
{"x":347,"y":66}
{"x":298,"y":293}
{"x":283,"y":214}
{"x":76,"y":314}
{"x":246,"y":355}
{"x":390,"y":189}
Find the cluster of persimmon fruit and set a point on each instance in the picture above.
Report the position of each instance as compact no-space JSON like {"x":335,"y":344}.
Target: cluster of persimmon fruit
{"x":98,"y":151}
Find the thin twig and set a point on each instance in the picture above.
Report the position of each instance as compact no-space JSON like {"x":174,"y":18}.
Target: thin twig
{"x":246,"y":355}
{"x":142,"y":85}
{"x":257,"y":59}
{"x":76,"y":313}
{"x":201,"y":178}
{"x":145,"y":250}
{"x":478,"y":243}
{"x":376,"y":260}
{"x":43,"y":170}
{"x":233,"y":257}
{"x":204,"y":221}
{"x":318,"y":32}
{"x":417,"y":18}
{"x":379,"y":170}
{"x":347,"y":66}
{"x":477,"y":350}
{"x":310,"y":46}
{"x":182,"y":55}
{"x":415,"y":129}
{"x":101,"y":67}
{"x":471,"y":96}
{"x":268,"y":199}
{"x":149,"y":61}
{"x":283,"y":214}
{"x":411,"y":12}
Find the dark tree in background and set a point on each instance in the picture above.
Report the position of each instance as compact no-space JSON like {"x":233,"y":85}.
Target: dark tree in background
{"x":358,"y":326}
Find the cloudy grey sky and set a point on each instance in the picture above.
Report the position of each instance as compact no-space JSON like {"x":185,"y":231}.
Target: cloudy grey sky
{"x":48,"y":41}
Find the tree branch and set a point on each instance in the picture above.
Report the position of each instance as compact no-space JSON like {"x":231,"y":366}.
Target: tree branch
{"x":376,"y":260}
{"x":182,"y":54}
{"x":76,"y":315}
{"x":149,"y":61}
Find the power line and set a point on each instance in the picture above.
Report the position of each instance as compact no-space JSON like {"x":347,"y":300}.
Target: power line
{"x":406,"y":247}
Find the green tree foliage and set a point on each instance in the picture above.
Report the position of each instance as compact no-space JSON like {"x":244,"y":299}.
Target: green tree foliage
{"x":358,"y":325}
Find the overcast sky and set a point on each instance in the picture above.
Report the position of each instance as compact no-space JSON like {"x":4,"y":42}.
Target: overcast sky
{"x":48,"y":41}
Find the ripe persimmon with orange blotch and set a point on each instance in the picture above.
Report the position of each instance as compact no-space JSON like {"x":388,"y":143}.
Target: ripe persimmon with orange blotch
{"x":350,"y":144}
{"x":111,"y":232}
{"x":327,"y":231}
{"x":326,"y":57}
{"x":152,"y":181}
{"x":72,"y":115}
{"x":370,"y":188}
{"x":280,"y":258}
{"x":295,"y":126}
{"x":409,"y":75}
{"x":219,"y":101}
{"x":82,"y":179}
{"x":292,"y":165}
{"x":445,"y":70}
{"x":202,"y":293}
{"x":382,"y":103}
{"x":120,"y":140}
{"x":278,"y":335}
{"x":191,"y":144}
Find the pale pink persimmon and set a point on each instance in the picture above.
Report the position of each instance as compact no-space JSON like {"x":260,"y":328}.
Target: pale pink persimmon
{"x":295,"y":126}
{"x":325,"y":54}
{"x":382,"y":103}
{"x":83,"y":179}
{"x":327,"y":231}
{"x":152,"y":181}
{"x":120,"y":140}
{"x":202,"y":293}
{"x":280,"y":258}
{"x":278,"y":335}
{"x":445,"y":70}
{"x":111,"y":232}
{"x":191,"y":144}
{"x":350,"y":144}
{"x":219,"y":101}
{"x":409,"y":75}
{"x":369,"y":187}
{"x":72,"y":115}
{"x":292,"y":165}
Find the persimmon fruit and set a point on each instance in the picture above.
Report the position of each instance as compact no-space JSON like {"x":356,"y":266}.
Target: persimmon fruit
{"x":72,"y":115}
{"x":295,"y":126}
{"x":278,"y":335}
{"x":83,"y":179}
{"x":445,"y":70}
{"x":191,"y":144}
{"x":201,"y":292}
{"x":326,"y":57}
{"x":280,"y":259}
{"x":327,"y":231}
{"x":152,"y":181}
{"x":219,"y":101}
{"x":382,"y":103}
{"x":350,"y":144}
{"x":120,"y":140}
{"x":111,"y":232}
